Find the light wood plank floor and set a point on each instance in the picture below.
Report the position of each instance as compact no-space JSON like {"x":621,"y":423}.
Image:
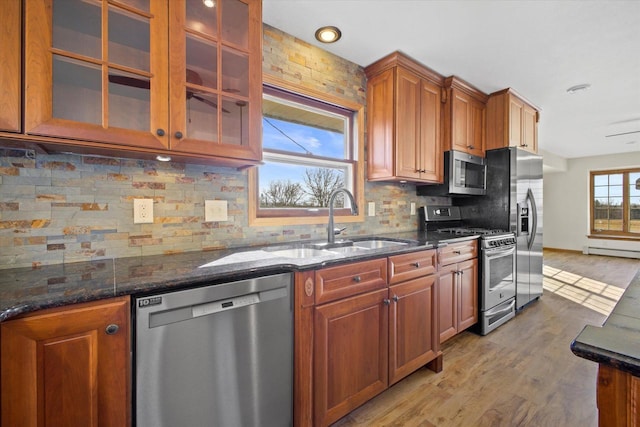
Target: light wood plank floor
{"x":523,"y":373}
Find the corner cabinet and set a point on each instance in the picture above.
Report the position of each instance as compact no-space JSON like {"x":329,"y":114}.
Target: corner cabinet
{"x":464,"y":117}
{"x":403,"y":121}
{"x":146,"y":76}
{"x":457,"y":288}
{"x":10,"y":70}
{"x":67,"y":366}
{"x":511,"y":122}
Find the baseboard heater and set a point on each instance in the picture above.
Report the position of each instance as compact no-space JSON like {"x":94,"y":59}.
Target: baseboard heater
{"x":625,"y":253}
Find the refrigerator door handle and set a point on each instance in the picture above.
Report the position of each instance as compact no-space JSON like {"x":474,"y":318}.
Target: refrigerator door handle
{"x":534,"y":214}
{"x":518,"y":226}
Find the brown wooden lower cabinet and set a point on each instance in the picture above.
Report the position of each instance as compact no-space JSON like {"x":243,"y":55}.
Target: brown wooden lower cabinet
{"x":618,"y":397}
{"x":350,"y":354}
{"x":366,"y":335}
{"x":413,"y":334}
{"x":67,"y":366}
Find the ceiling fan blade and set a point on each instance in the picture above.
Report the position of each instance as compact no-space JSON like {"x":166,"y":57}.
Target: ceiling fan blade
{"x":208,"y":102}
{"x":130,"y":81}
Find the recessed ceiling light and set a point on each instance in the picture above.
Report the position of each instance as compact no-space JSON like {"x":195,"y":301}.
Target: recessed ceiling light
{"x":328,"y":34}
{"x":209,"y":3}
{"x":578,"y":88}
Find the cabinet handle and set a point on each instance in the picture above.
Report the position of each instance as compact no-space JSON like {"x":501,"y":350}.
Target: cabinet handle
{"x":160,"y":132}
{"x":416,"y":264}
{"x":178,"y":134}
{"x":386,"y":301}
{"x":457,"y":252}
{"x":112,"y":329}
{"x":357,"y":279}
{"x":396,"y":298}
{"x":471,"y":147}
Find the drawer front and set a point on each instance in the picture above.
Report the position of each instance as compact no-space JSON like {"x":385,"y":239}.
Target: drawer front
{"x":409,"y":266}
{"x":456,"y":252}
{"x":350,"y":279}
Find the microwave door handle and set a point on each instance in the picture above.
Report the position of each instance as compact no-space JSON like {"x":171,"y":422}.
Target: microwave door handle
{"x":534,"y":216}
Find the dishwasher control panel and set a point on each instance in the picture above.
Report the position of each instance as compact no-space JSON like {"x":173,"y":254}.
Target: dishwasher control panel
{"x":222,"y":305}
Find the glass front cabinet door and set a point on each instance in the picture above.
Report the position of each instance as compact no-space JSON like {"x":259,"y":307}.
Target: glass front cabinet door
{"x":180,"y":76}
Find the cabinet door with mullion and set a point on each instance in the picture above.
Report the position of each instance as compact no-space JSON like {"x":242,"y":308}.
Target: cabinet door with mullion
{"x":215,"y":78}
{"x":10,"y":71}
{"x":95,"y":71}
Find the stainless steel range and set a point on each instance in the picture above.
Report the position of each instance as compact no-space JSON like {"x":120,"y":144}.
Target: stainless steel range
{"x":497,"y":262}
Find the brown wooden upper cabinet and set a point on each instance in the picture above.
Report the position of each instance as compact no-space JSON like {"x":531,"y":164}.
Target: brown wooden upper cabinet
{"x":10,"y":72}
{"x":403,"y":119}
{"x":511,"y":121}
{"x":464,"y":117}
{"x":169,"y":77}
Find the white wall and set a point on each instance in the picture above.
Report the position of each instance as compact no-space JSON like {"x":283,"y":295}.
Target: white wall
{"x":566,"y":202}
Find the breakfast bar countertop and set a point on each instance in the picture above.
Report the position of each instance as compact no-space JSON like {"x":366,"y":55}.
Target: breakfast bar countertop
{"x":23,"y":290}
{"x":617,"y":342}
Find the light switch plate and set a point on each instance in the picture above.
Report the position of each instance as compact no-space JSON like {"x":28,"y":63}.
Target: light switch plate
{"x":215,"y":210}
{"x":372,"y":208}
{"x":143,"y":211}
{"x":413,"y":208}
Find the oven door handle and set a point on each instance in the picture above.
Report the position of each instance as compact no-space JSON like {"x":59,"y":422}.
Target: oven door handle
{"x":502,"y":310}
{"x":494,"y":253}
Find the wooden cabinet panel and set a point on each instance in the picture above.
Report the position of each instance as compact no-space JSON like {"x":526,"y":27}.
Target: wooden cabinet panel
{"x":458,"y":288}
{"x":456,"y":252}
{"x":60,"y":367}
{"x":448,"y":302}
{"x":467,"y":294}
{"x":10,"y":70}
{"x":412,"y":265}
{"x":350,"y":279}
{"x":617,"y":396}
{"x":403,"y":118}
{"x":464,"y":118}
{"x":408,"y":115}
{"x":350,"y":354}
{"x":511,"y":122}
{"x":413,"y":338}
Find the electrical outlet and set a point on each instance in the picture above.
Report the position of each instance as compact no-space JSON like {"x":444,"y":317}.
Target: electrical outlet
{"x":372,"y":208}
{"x":215,"y":210}
{"x":413,"y":208}
{"x":142,"y":211}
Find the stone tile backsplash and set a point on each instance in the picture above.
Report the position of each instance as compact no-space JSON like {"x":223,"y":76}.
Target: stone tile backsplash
{"x":66,"y":208}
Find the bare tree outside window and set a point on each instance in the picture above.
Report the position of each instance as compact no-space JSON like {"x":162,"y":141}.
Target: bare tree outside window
{"x":282,"y":194}
{"x":320,"y":183}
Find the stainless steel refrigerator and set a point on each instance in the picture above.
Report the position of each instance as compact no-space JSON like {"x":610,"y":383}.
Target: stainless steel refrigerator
{"x":514,"y":202}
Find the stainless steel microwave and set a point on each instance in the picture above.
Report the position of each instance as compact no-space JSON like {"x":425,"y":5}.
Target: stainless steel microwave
{"x":464,"y":174}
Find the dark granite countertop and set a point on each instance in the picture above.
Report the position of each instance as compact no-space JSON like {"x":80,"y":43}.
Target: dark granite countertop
{"x":23,"y":290}
{"x":617,"y":342}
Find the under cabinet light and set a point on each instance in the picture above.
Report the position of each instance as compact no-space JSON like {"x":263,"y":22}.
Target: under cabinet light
{"x":162,"y":158}
{"x":209,"y":3}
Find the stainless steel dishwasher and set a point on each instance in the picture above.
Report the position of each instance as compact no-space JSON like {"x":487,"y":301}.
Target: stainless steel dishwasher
{"x":220,"y":355}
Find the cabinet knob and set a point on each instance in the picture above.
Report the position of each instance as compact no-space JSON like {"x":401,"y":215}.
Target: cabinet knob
{"x":386,"y":301}
{"x":396,"y":298}
{"x":160,"y":132}
{"x":357,"y":279}
{"x":416,"y":264}
{"x":178,"y":135}
{"x":112,"y":329}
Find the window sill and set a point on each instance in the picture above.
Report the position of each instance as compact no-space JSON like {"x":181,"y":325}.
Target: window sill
{"x":612,"y":237}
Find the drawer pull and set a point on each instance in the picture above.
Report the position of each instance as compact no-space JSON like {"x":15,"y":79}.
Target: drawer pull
{"x":357,"y":279}
{"x":416,"y":264}
{"x":112,"y":329}
{"x":457,"y":252}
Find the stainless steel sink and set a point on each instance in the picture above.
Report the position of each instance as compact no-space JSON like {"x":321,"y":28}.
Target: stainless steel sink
{"x":348,"y":249}
{"x":377,"y":244}
{"x":301,"y":253}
